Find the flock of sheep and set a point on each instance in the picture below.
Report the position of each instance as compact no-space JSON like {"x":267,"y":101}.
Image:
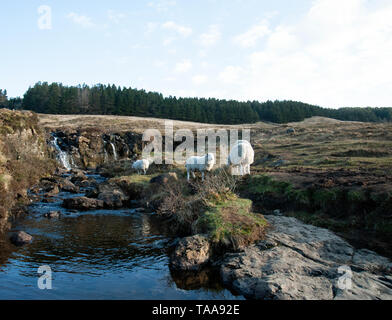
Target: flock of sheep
{"x":240,"y":158}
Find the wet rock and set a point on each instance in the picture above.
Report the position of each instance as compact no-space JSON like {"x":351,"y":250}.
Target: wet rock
{"x":78,"y":176}
{"x":67,"y":186}
{"x":113,"y":199}
{"x":83,"y":203}
{"x":53,"y":190}
{"x":111,"y":194}
{"x":191,"y":253}
{"x":165,"y":178}
{"x":299,"y":261}
{"x":52,"y":214}
{"x":21,"y":238}
{"x":83,"y":184}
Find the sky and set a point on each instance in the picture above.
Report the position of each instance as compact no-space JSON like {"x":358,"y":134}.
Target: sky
{"x":331,"y":53}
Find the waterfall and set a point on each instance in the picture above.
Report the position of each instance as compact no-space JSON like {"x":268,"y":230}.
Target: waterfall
{"x":114,"y":151}
{"x":62,"y":156}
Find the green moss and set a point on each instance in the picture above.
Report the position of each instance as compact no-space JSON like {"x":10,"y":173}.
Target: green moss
{"x":232,"y":222}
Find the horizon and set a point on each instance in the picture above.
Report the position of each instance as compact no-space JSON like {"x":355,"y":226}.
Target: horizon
{"x":322,"y":52}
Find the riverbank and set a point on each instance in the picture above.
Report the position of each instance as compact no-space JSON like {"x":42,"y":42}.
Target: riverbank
{"x":24,"y":159}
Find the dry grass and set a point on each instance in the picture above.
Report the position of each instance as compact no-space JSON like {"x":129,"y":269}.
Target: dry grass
{"x":24,"y":158}
{"x":123,"y":123}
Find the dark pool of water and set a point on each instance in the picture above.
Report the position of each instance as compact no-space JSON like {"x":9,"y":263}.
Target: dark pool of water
{"x":103,"y":254}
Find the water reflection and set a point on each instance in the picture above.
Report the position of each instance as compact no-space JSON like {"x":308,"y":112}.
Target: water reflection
{"x":105,"y":254}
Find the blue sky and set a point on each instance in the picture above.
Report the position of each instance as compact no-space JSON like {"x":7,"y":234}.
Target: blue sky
{"x":327,"y":52}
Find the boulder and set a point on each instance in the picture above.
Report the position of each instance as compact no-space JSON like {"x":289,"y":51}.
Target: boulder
{"x":21,"y":238}
{"x":83,"y":203}
{"x":113,"y":199}
{"x":191,"y":253}
{"x":67,"y":186}
{"x":303,"y":262}
{"x":78,"y":176}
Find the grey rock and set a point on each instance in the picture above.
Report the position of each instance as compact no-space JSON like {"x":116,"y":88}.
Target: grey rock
{"x":191,"y":253}
{"x":302,"y":262}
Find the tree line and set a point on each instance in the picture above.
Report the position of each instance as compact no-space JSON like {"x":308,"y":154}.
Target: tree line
{"x":102,"y":99}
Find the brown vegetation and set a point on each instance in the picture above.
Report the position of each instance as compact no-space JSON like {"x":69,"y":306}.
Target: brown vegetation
{"x":24,"y":159}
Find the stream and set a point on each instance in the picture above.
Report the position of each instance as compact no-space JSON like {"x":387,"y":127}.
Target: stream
{"x":101,"y":254}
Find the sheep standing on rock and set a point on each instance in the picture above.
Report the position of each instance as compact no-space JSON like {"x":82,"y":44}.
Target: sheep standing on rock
{"x":142,"y":165}
{"x":241,"y":157}
{"x":201,"y":164}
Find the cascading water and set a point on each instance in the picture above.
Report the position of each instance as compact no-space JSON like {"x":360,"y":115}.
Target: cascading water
{"x":114,"y":151}
{"x":62,"y":156}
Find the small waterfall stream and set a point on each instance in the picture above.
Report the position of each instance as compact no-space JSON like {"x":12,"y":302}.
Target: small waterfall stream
{"x":114,"y":151}
{"x":62,"y":156}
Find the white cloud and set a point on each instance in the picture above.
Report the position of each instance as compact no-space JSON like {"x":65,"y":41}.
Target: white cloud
{"x":81,"y":20}
{"x":253,"y":35}
{"x":183,"y":66}
{"x":199,"y":79}
{"x":211,"y":36}
{"x":337,"y":54}
{"x":231,"y":74}
{"x":181,"y":30}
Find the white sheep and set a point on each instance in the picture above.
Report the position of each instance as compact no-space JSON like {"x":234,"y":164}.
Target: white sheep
{"x":241,"y":157}
{"x":202,"y":164}
{"x":142,"y":165}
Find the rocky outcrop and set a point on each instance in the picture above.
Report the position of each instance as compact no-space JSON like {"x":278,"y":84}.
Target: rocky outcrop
{"x":88,"y":149}
{"x":299,"y":261}
{"x":191,"y":253}
{"x":24,"y":159}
